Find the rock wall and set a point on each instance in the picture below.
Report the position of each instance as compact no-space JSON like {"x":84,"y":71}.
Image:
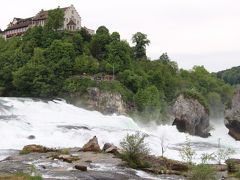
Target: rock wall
{"x":105,"y":102}
{"x":190,"y":116}
{"x":232,"y":116}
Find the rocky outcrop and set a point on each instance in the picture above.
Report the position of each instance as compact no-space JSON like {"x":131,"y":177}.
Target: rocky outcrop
{"x":232,"y":116}
{"x":190,"y":116}
{"x":92,"y":145}
{"x":110,"y":148}
{"x":105,"y":102}
{"x":33,"y":148}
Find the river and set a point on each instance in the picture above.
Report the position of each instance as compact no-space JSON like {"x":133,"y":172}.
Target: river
{"x":58,"y":124}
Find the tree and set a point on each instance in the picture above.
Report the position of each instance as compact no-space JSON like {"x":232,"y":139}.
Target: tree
{"x":186,"y":152}
{"x":164,"y":57}
{"x":55,"y":19}
{"x":141,"y":42}
{"x":85,"y":35}
{"x":134,"y":148}
{"x":98,"y":45}
{"x":119,"y":55}
{"x":148,"y":99}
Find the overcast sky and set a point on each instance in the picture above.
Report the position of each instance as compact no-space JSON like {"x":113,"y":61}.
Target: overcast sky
{"x":192,"y":32}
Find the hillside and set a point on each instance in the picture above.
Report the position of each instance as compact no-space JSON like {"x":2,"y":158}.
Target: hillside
{"x":231,"y":76}
{"x":47,"y":63}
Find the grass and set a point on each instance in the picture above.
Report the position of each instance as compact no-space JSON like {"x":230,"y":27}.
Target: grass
{"x":19,"y":176}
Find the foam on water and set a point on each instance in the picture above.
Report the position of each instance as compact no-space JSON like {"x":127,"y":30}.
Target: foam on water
{"x":58,"y":124}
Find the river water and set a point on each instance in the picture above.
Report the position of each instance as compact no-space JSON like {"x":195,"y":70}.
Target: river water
{"x":58,"y":124}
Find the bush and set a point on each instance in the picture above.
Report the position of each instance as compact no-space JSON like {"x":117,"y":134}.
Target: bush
{"x":187,"y":153}
{"x":134,"y":149}
{"x":78,"y":84}
{"x":117,"y":87}
{"x":196,"y":95}
{"x":223,"y":154}
{"x":202,"y":172}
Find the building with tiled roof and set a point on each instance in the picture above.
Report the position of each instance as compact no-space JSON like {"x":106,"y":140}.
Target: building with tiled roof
{"x":72,"y":22}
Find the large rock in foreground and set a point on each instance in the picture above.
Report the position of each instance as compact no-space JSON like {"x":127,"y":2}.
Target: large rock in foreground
{"x":92,"y":145}
{"x":232,"y":117}
{"x":190,"y":116}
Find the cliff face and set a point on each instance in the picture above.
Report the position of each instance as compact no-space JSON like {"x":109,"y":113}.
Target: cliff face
{"x":105,"y":102}
{"x":190,"y":116}
{"x":232,"y":117}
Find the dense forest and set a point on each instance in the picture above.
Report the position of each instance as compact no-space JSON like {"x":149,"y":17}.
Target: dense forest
{"x":231,"y":76}
{"x":46,"y":63}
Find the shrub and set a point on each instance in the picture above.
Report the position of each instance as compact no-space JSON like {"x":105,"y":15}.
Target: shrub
{"x":202,"y":172}
{"x":205,"y":157}
{"x":223,"y":154}
{"x":134,"y":149}
{"x":187,"y":153}
{"x":196,"y":95}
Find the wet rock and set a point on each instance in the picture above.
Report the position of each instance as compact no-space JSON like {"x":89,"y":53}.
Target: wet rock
{"x":33,"y":148}
{"x":31,"y":137}
{"x":110,"y":148}
{"x":190,"y":116}
{"x":92,"y":145}
{"x":95,"y":99}
{"x":65,"y":158}
{"x":232,"y":117}
{"x":81,"y":167}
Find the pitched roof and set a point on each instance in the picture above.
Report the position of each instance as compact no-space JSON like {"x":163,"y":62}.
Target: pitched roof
{"x":71,"y":22}
{"x":42,"y":15}
{"x":20,"y":24}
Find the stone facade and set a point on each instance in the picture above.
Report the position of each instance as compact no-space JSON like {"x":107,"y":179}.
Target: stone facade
{"x":72,"y":22}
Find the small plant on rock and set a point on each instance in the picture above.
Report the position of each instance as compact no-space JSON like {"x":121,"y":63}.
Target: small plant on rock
{"x":134,"y":149}
{"x":205,"y":157}
{"x":223,"y":154}
{"x":186,"y":152}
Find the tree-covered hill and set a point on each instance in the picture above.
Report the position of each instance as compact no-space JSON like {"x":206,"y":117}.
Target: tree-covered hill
{"x":231,"y":76}
{"x":50,"y":63}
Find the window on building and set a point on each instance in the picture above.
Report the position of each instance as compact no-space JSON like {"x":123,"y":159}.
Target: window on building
{"x":72,"y":12}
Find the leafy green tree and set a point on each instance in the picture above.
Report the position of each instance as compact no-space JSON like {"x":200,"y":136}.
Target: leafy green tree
{"x":141,"y":42}
{"x":98,"y":45}
{"x":86,"y":64}
{"x":77,"y":43}
{"x":134,"y":148}
{"x":148,"y":99}
{"x":133,"y":81}
{"x":55,"y":19}
{"x":119,"y":55}
{"x":85,"y":35}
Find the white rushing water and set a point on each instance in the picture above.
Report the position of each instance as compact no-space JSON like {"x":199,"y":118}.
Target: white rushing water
{"x":58,"y":124}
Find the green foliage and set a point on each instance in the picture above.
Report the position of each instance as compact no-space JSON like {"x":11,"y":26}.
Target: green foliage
{"x":78,"y":84}
{"x":223,"y":154}
{"x":231,"y":76}
{"x":148,"y":99}
{"x":55,"y":19}
{"x":47,"y":63}
{"x":195,"y":95}
{"x":86,"y":64}
{"x":134,"y":148}
{"x":202,"y":172}
{"x":205,"y":157}
{"x":141,"y":42}
{"x":186,"y":152}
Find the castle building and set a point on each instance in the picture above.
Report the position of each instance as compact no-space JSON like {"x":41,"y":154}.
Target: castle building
{"x":72,"y":22}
